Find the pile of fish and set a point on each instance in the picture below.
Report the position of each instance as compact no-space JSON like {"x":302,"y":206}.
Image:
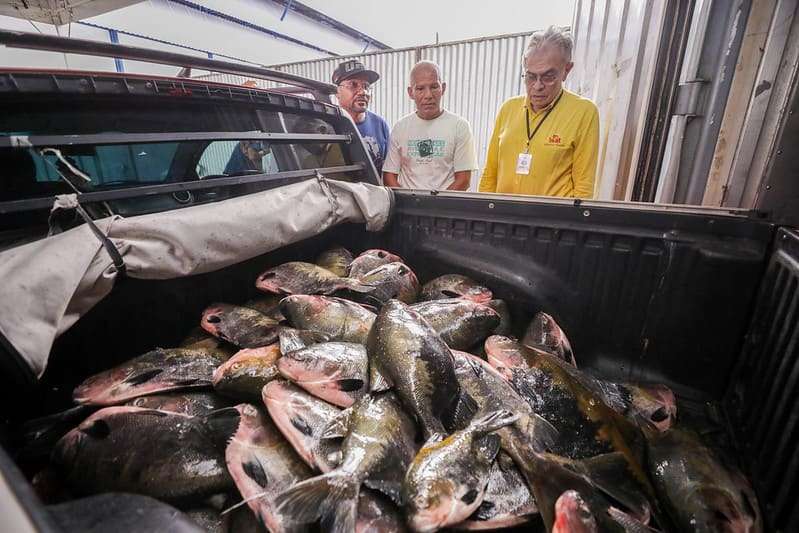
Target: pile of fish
{"x":359,"y":400}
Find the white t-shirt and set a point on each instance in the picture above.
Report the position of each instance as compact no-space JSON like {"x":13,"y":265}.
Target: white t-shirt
{"x":427,"y":153}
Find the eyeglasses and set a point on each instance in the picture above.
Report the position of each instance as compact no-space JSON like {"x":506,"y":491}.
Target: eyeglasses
{"x":355,"y":86}
{"x":547,"y":78}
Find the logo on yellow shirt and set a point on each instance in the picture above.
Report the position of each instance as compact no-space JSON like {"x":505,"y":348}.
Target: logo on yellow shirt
{"x":554,"y":140}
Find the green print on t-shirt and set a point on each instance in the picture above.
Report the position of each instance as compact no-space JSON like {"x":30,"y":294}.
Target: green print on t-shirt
{"x":426,"y":148}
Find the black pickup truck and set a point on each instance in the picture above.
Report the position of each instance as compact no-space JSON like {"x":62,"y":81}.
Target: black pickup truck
{"x":703,"y":300}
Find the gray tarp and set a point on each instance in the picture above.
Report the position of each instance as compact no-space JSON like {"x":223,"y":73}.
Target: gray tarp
{"x":49,"y":284}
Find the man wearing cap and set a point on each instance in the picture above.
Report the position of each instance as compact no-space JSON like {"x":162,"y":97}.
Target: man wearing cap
{"x":545,"y":142}
{"x":354,"y":84}
{"x":430,"y":148}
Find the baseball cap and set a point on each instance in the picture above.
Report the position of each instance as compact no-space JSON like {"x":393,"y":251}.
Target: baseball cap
{"x":351,"y":68}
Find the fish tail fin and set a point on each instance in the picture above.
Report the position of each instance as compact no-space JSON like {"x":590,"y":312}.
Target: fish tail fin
{"x":344,"y":515}
{"x":309,"y":500}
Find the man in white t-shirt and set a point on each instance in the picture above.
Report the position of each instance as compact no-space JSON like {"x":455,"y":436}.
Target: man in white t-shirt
{"x":431,"y":148}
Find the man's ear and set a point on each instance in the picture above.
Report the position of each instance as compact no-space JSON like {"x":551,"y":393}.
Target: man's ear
{"x":569,"y":66}
{"x":443,"y":87}
{"x":410,"y":93}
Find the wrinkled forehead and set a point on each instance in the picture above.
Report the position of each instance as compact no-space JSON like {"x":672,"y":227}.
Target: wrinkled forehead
{"x":544,"y":58}
{"x":424,"y":76}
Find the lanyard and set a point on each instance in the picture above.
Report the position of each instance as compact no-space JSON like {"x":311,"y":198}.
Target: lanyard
{"x":527,"y":121}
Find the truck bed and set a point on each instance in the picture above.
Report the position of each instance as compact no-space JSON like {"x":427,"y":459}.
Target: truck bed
{"x":644,"y":294}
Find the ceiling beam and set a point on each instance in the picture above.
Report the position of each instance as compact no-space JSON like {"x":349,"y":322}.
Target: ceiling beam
{"x":318,"y":16}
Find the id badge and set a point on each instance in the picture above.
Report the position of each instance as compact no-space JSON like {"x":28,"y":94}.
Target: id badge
{"x":523,"y":163}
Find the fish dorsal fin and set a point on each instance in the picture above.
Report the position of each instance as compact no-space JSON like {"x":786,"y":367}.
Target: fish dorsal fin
{"x":339,"y":426}
{"x":463,"y":413}
{"x":378,"y":382}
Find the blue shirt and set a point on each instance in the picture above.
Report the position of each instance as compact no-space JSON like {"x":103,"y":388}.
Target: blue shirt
{"x":374,"y":131}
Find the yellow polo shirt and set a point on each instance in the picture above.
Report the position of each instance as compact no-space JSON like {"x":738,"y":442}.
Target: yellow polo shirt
{"x":564,"y":150}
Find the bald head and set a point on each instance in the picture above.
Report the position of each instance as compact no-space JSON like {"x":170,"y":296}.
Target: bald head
{"x":426,"y":89}
{"x":425,"y":68}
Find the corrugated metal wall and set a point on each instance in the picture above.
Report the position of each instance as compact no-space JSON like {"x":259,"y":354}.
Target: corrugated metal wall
{"x":480,"y":75}
{"x":615,"y":47}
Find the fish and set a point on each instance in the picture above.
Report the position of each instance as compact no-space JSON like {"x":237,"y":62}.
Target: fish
{"x":296,"y":277}
{"x":461,"y":323}
{"x":342,"y":320}
{"x":337,"y":372}
{"x":267,"y":304}
{"x":543,"y":332}
{"x":242,"y":326}
{"x":455,"y":286}
{"x":507,"y":501}
{"x":245,"y":374}
{"x":572,"y":515}
{"x":505,"y":326}
{"x":391,"y":281}
{"x":302,"y":419}
{"x":169,"y":456}
{"x":648,"y":406}
{"x":587,"y":427}
{"x":120,"y":512}
{"x":699,"y":491}
{"x":377,"y":447}
{"x":406,"y":354}
{"x":447,"y":480}
{"x":370,"y":260}
{"x":187,"y":403}
{"x":377,"y":515}
{"x":160,"y":370}
{"x":337,"y":260}
{"x":263,"y":464}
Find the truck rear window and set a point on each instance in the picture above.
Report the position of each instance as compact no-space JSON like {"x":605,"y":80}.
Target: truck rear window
{"x":26,"y":173}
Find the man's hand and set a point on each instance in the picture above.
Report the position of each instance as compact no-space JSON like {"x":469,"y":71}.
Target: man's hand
{"x":390,"y":179}
{"x":462,"y":179}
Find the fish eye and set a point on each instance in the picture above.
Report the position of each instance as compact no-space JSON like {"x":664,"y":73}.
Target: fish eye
{"x":660,"y":415}
{"x":213,"y":319}
{"x":381,"y":254}
{"x":235,"y":366}
{"x":402,"y":271}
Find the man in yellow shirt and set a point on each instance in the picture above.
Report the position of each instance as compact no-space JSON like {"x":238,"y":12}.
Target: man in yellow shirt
{"x":544,"y":142}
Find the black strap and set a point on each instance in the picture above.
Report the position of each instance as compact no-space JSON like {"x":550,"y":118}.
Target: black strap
{"x":527,"y":120}
{"x":112,"y":251}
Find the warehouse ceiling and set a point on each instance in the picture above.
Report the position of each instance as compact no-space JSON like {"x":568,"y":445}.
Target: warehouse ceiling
{"x":58,"y":12}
